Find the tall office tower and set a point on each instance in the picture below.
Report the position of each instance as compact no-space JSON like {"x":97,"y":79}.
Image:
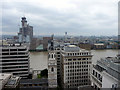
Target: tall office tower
{"x":106,"y":73}
{"x":75,"y":67}
{"x":52,"y":67}
{"x":26,"y":32}
{"x":15,"y":59}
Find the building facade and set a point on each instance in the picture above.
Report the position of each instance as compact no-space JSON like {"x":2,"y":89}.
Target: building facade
{"x":99,"y":46}
{"x":52,"y":67}
{"x":15,"y":59}
{"x":105,"y":74}
{"x":57,"y":51}
{"x":75,"y":67}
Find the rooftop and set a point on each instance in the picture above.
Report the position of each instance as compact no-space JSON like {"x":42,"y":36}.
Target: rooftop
{"x":111,"y":65}
{"x":4,"y":76}
{"x":71,"y":48}
{"x":12,"y":82}
{"x":8,"y":80}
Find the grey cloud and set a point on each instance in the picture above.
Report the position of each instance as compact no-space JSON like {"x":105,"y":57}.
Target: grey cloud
{"x":77,"y":20}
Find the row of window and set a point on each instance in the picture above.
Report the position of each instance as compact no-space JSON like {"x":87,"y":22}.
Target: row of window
{"x":20,"y":63}
{"x":14,"y":70}
{"x":77,"y":59}
{"x":14,"y":49}
{"x":72,"y":66}
{"x":74,"y":54}
{"x":14,"y":67}
{"x":80,"y":62}
{"x":20,"y":60}
{"x":76,"y":81}
{"x":78,"y":77}
{"x":97,"y":75}
{"x":83,"y":73}
{"x":77,"y":70}
{"x":24,"y":56}
{"x":76,"y":85}
{"x":14,"y":53}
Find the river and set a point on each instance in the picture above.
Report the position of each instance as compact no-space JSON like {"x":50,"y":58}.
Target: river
{"x":38,"y":60}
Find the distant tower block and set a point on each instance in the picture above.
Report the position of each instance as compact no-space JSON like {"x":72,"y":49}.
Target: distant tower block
{"x":65,"y":36}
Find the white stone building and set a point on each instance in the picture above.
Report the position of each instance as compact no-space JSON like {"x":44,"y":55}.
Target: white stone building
{"x":52,"y":70}
{"x":52,"y":67}
{"x":105,"y":74}
{"x":75,"y":67}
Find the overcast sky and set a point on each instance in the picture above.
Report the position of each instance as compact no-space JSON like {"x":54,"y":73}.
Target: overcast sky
{"x":77,"y":17}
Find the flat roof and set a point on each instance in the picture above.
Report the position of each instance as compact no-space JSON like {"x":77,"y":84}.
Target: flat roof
{"x":3,"y":76}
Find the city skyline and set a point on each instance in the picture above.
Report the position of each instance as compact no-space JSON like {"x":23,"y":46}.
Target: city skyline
{"x":58,"y":17}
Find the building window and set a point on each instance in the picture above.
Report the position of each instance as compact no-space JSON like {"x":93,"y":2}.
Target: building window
{"x":52,"y":69}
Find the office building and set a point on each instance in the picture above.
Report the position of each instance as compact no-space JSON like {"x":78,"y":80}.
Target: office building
{"x":14,"y":58}
{"x":75,"y":67}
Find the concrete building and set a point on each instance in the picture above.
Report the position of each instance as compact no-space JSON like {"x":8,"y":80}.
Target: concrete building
{"x":25,"y":34}
{"x":75,"y":67}
{"x":8,"y":81}
{"x":105,"y":74}
{"x":14,"y":58}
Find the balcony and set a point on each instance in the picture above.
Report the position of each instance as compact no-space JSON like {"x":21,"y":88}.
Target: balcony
{"x":17,"y":55}
{"x":14,"y":59}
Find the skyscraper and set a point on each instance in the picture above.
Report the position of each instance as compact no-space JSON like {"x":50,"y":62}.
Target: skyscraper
{"x":26,"y":32}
